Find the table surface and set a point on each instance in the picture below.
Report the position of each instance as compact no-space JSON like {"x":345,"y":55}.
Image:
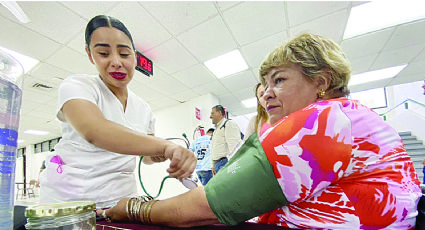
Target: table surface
{"x":103,"y":225}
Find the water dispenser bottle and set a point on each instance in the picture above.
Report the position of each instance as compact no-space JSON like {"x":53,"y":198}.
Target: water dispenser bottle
{"x":11,"y":75}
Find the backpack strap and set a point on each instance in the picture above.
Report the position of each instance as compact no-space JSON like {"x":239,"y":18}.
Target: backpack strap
{"x":224,"y":125}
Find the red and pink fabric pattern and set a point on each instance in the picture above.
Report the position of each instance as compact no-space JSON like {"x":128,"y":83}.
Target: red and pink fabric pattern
{"x":341,"y":167}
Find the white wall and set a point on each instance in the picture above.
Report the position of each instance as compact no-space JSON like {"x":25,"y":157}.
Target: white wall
{"x":411,"y":90}
{"x":243,"y":121}
{"x":176,"y":120}
{"x":401,"y":119}
{"x":409,"y":121}
{"x":173,"y":122}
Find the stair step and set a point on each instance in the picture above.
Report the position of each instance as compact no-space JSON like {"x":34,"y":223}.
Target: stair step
{"x":412,"y":141}
{"x":417,"y":161}
{"x":415,"y":151}
{"x":416,"y":154}
{"x":405,"y":138}
{"x":405,"y":133}
{"x":414,"y":147}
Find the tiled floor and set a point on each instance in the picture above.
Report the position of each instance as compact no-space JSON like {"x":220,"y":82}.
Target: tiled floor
{"x":27,"y":201}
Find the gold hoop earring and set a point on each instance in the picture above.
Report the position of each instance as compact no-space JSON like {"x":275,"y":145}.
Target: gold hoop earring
{"x":321,"y":93}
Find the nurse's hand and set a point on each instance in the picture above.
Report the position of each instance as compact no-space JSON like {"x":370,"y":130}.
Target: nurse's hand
{"x":158,"y":158}
{"x":148,"y":160}
{"x":183,"y":161}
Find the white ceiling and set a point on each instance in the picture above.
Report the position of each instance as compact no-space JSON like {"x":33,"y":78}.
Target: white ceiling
{"x":179,"y":36}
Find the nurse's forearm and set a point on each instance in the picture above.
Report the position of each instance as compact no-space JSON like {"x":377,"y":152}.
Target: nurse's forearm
{"x":117,"y":138}
{"x":186,"y":210}
{"x":88,"y":120}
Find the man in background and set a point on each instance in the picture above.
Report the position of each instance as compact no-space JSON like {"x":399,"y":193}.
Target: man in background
{"x":201,"y":147}
{"x":225,"y":138}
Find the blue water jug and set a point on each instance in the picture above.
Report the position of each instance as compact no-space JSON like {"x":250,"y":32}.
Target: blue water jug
{"x":11,"y":75}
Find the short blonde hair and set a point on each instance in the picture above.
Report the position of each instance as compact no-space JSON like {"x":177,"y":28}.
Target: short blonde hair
{"x":262,"y":115}
{"x":314,"y":54}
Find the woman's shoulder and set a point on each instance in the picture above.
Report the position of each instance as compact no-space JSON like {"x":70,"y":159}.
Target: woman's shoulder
{"x":336,"y":107}
{"x":341,"y":102}
{"x":80,"y":77}
{"x":84,"y":78}
{"x":352,"y":110}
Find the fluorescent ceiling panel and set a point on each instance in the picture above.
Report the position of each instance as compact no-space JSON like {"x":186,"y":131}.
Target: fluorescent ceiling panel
{"x":249,"y":103}
{"x":36,"y":132}
{"x":16,"y":10}
{"x":376,"y":75}
{"x":27,"y":62}
{"x":376,"y":15}
{"x":226,"y":64}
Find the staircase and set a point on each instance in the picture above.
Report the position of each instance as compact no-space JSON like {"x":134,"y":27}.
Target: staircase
{"x":416,"y":151}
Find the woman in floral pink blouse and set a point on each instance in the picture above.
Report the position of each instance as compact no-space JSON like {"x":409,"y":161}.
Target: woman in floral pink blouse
{"x":328,"y":162}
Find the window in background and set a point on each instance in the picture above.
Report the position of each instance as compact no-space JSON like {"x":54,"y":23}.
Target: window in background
{"x":372,"y":98}
{"x":37,"y":148}
{"x":20,"y":152}
{"x":45,"y":146}
{"x":53,"y":142}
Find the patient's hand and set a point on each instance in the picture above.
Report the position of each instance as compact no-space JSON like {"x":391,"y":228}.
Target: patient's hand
{"x":116,"y":213}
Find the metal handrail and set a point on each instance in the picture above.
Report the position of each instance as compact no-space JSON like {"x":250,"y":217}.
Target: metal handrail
{"x":405,"y":105}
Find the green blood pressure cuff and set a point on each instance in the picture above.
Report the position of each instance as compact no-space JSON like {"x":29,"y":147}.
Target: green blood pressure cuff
{"x":245,"y":187}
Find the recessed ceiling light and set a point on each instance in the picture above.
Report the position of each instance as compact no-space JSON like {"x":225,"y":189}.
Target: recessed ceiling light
{"x":16,"y":10}
{"x":376,"y":75}
{"x":27,"y":62}
{"x":249,"y":103}
{"x":36,"y":132}
{"x":378,"y":15}
{"x":226,"y":64}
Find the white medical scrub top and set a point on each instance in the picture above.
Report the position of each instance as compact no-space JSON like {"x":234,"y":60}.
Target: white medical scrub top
{"x":89,"y":172}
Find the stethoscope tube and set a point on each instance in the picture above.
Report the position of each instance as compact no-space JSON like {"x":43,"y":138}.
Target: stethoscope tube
{"x":143,"y":187}
{"x":189,"y":183}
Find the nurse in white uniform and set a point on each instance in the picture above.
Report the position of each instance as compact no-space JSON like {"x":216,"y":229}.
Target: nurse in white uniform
{"x":104,"y":126}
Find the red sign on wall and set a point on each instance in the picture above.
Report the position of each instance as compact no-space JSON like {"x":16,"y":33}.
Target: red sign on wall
{"x":198,"y":113}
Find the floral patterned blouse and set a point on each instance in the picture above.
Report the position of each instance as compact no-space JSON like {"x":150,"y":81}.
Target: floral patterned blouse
{"x":341,"y":167}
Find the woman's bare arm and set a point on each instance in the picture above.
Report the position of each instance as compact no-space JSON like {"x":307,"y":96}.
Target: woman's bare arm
{"x":90,"y":123}
{"x":186,"y":210}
